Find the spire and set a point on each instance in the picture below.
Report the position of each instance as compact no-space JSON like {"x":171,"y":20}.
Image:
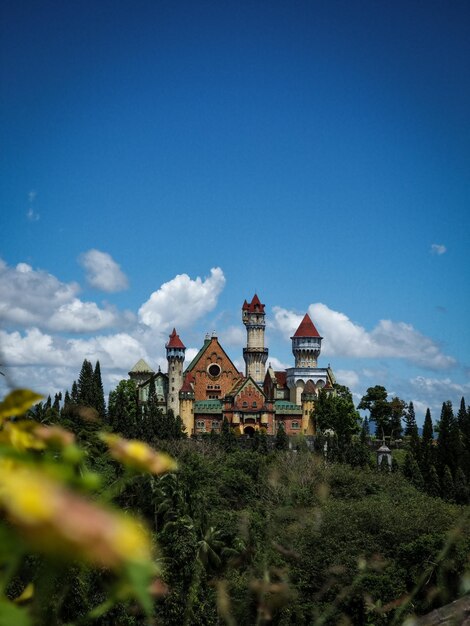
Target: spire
{"x":306,"y":328}
{"x":175,"y":341}
{"x":254,"y":306}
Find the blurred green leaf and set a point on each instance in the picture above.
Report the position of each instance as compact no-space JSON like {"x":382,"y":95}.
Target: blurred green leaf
{"x":12,"y":615}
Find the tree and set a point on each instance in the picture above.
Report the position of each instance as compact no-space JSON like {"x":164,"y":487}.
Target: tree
{"x":448,"y":441}
{"x":375,"y":401}
{"x":460,"y":487}
{"x":227,"y":437}
{"x":123,"y":409}
{"x":398,"y":411}
{"x":447,"y":484}
{"x":98,"y":393}
{"x":281,"y":441}
{"x":74,"y":393}
{"x":86,"y":385}
{"x":410,"y":420}
{"x":432,"y":485}
{"x":428,"y":432}
{"x":412,"y":471}
{"x":337,"y":412}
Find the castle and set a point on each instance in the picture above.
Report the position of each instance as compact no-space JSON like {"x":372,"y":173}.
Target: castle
{"x":211,"y":388}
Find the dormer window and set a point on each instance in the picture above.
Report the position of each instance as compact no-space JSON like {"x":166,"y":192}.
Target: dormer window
{"x":254,"y":405}
{"x":245,"y":405}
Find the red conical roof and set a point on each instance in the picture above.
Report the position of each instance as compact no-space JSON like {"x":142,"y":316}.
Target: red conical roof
{"x":187,"y":385}
{"x":306,"y":328}
{"x":175,"y":341}
{"x":254,"y":305}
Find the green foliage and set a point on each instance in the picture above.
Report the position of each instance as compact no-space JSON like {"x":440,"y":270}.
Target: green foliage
{"x":281,"y":441}
{"x":337,"y":413}
{"x":375,"y":401}
{"x":412,"y":472}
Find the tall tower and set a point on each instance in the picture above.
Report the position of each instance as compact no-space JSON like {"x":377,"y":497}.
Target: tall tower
{"x":175,"y":350}
{"x":255,"y":354}
{"x":306,"y":344}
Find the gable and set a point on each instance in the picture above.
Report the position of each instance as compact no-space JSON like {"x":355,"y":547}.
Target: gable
{"x":248,"y":396}
{"x":213,"y":371}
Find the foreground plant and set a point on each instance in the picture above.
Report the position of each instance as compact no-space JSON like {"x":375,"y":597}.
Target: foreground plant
{"x":51,"y":515}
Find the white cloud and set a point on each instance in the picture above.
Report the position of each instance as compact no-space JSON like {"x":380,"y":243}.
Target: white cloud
{"x":233,"y":336}
{"x":102,"y":271}
{"x":438,"y":248}
{"x":31,"y":297}
{"x":276,"y":364}
{"x":345,"y":338}
{"x":34,"y":347}
{"x":349,"y":378}
{"x":181,"y":301}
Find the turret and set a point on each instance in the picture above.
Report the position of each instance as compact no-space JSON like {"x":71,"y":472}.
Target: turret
{"x":308,"y":397}
{"x":306,"y":344}
{"x":186,"y":398}
{"x":255,"y":354}
{"x":175,"y":351}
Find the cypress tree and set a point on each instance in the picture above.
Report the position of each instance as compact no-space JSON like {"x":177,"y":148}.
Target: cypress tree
{"x":227,"y":437}
{"x":447,"y":484}
{"x":448,"y":442}
{"x":433,"y":488}
{"x":412,"y":472}
{"x":98,"y":393}
{"x":462,"y":414}
{"x":428,"y":432}
{"x":460,"y":487}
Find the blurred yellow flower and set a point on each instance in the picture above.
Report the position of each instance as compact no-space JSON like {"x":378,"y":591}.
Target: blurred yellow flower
{"x":18,"y":402}
{"x":56,"y":520}
{"x":139,"y":455}
{"x":21,"y":436}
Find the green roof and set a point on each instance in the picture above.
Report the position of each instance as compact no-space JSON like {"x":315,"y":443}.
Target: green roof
{"x":284,"y":406}
{"x":208,"y":406}
{"x":198,"y":355}
{"x":142,"y":366}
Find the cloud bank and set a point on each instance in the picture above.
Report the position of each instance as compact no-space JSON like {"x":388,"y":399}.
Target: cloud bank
{"x":31,"y":297}
{"x":345,"y":338}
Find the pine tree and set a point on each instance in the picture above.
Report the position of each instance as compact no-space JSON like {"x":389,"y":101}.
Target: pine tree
{"x":74,"y":394}
{"x":98,"y":393}
{"x":86,"y":385}
{"x":57,"y":399}
{"x":281,"y":441}
{"x":410,"y":420}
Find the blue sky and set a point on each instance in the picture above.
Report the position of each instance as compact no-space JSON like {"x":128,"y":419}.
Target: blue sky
{"x":315,"y":152}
